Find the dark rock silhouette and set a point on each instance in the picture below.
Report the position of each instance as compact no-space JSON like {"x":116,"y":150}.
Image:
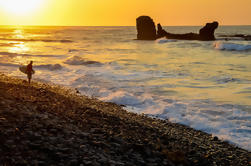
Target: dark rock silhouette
{"x":161,"y":32}
{"x":146,"y":31}
{"x":146,"y":28}
{"x":206,"y":33}
{"x":245,"y":37}
{"x":186,"y":36}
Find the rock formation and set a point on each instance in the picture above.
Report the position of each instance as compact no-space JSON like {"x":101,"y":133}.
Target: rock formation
{"x":146,"y":28}
{"x":243,"y":36}
{"x":146,"y":31}
{"x":161,"y":32}
{"x":207,"y":32}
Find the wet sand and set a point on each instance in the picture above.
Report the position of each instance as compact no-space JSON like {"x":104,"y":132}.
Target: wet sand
{"x":44,"y":124}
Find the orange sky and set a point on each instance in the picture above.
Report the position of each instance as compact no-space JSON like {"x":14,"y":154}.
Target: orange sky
{"x":124,"y":12}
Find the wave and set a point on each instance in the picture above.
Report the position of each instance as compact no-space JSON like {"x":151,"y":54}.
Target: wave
{"x":44,"y":66}
{"x":231,"y":46}
{"x":226,"y":79}
{"x":9,"y":64}
{"x":7,"y":44}
{"x":210,"y":117}
{"x":121,"y":97}
{"x":77,"y":60}
{"x":164,"y":40}
{"x":205,"y":115}
{"x":230,"y":39}
{"x":236,"y":36}
{"x":51,"y":67}
{"x":37,"y":40}
{"x":73,"y":50}
{"x":29,"y":55}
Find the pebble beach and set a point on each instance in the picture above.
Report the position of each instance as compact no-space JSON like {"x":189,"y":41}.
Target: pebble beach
{"x":47,"y":124}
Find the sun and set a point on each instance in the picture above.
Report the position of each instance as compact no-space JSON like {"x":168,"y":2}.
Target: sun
{"x":20,"y":6}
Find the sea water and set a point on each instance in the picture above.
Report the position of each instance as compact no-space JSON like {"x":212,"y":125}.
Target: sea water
{"x":203,"y":84}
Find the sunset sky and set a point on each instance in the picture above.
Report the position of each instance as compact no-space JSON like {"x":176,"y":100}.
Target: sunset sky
{"x":123,"y":12}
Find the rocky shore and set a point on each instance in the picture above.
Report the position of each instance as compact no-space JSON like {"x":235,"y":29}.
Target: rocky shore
{"x":42,"y":124}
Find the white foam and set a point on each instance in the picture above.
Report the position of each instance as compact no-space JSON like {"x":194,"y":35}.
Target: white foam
{"x":77,"y":60}
{"x":164,"y":40}
{"x":228,"y":122}
{"x":231,"y":46}
{"x":122,"y":97}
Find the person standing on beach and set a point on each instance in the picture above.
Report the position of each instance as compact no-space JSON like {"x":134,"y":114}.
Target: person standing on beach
{"x":29,"y":71}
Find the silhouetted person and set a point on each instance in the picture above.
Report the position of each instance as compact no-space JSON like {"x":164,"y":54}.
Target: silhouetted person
{"x":29,"y":71}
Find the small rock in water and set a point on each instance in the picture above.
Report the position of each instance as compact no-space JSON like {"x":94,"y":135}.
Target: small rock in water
{"x":215,"y":138}
{"x":77,"y":91}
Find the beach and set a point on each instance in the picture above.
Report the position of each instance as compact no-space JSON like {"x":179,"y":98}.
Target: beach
{"x":205,"y":85}
{"x":125,"y":83}
{"x":47,"y":124}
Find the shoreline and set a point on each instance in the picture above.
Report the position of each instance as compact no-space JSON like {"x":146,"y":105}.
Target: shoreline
{"x":51,"y":125}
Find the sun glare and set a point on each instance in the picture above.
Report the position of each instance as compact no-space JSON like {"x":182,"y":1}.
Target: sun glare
{"x":19,"y":6}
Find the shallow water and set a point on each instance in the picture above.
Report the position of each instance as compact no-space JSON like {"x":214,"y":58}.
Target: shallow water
{"x":206,"y":85}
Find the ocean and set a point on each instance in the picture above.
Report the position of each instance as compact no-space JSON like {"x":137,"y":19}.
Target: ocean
{"x":203,"y":84}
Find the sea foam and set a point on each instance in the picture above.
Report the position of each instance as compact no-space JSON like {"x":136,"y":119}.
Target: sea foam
{"x":164,"y":40}
{"x":231,"y":46}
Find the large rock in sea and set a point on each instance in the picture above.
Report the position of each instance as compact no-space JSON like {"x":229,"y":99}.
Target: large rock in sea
{"x":147,"y":31}
{"x":146,"y":28}
{"x":161,"y":32}
{"x":207,"y":32}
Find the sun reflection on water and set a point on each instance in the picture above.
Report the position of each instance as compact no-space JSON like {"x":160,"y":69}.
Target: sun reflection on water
{"x":18,"y":33}
{"x":20,"y":60}
{"x":19,"y":48}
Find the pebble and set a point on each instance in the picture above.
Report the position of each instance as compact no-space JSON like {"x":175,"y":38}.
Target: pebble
{"x":55,"y":132}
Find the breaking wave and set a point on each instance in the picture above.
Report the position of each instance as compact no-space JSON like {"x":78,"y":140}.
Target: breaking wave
{"x":164,"y":40}
{"x":9,"y":65}
{"x":51,"y":67}
{"x":77,"y":60}
{"x":231,"y":46}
